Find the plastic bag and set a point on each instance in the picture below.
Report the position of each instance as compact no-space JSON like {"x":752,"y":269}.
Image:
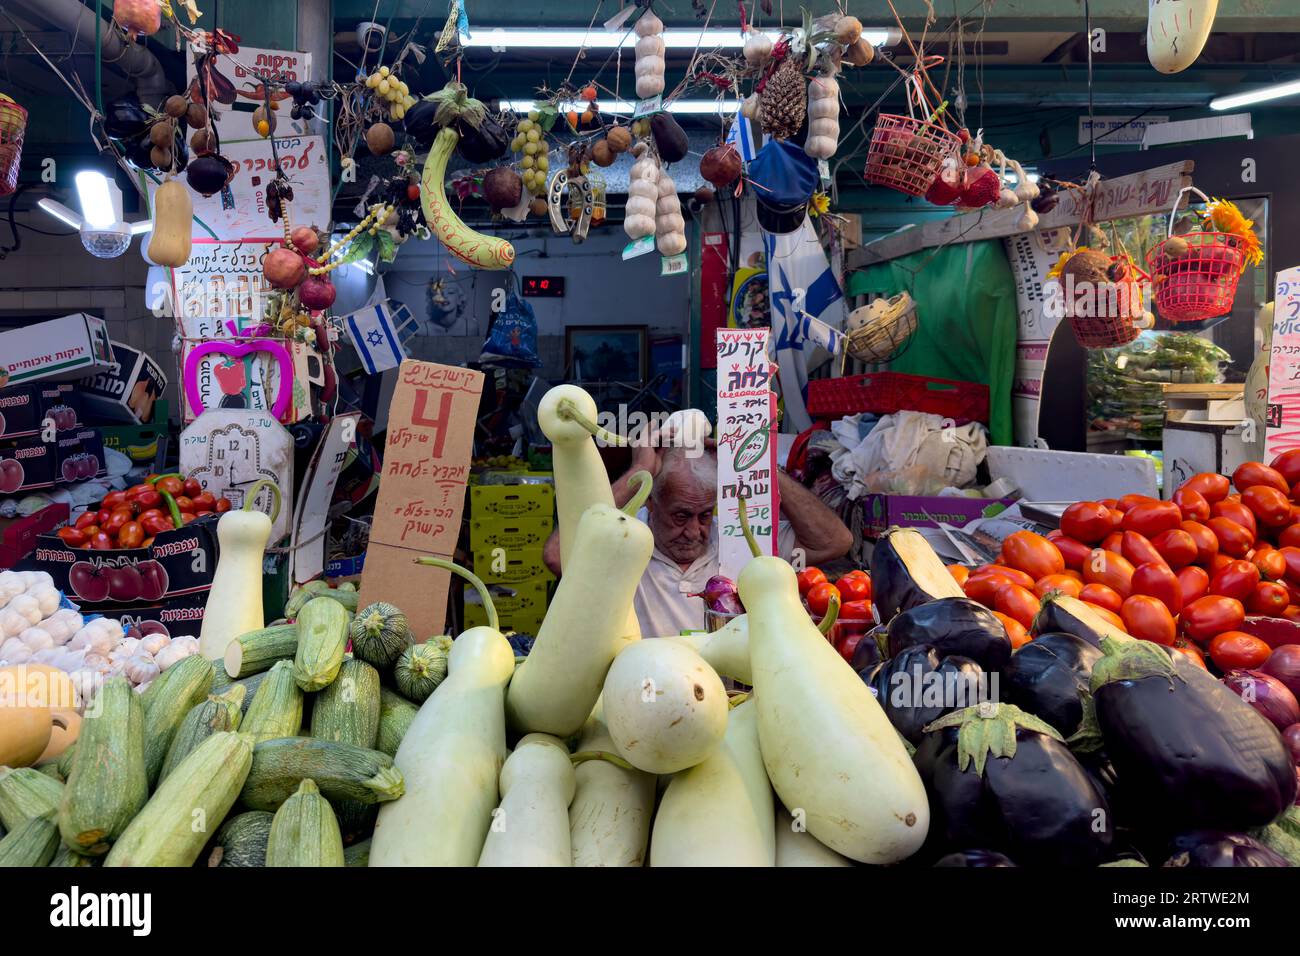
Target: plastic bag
{"x":512,"y":337}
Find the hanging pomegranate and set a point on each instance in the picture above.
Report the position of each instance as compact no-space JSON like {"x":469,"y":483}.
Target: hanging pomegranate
{"x":138,"y":17}
{"x":720,"y":165}
{"x":316,"y":293}
{"x":284,"y":268}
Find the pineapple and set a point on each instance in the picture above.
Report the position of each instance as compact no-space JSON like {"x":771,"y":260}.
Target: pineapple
{"x":784,"y":101}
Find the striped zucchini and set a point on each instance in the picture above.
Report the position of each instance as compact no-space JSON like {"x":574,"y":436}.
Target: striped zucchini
{"x":51,"y":770}
{"x":348,"y":709}
{"x":358,"y":854}
{"x":341,"y":771}
{"x":395,"y":716}
{"x":302,"y":595}
{"x":241,"y":841}
{"x":107,"y":785}
{"x":256,"y":651}
{"x":379,"y":634}
{"x":64,"y":857}
{"x":276,"y":710}
{"x":322,"y":638}
{"x":26,"y":793}
{"x":219,"y":712}
{"x":173,"y":826}
{"x":184,"y":684}
{"x":223,"y":682}
{"x":34,"y":843}
{"x":64,"y":763}
{"x":304,"y":831}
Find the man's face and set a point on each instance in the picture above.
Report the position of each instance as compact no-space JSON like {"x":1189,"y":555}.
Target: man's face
{"x":681,"y":517}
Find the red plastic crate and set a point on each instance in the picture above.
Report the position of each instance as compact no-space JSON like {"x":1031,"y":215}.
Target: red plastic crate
{"x":884,"y":393}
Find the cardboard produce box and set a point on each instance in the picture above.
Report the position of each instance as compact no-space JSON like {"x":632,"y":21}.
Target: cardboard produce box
{"x":27,"y":464}
{"x":127,"y":390}
{"x":882,"y":512}
{"x":19,"y":536}
{"x":24,"y":409}
{"x":65,"y":349}
{"x":180,"y":616}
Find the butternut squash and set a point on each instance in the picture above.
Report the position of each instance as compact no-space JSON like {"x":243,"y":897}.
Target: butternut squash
{"x":170,"y":241}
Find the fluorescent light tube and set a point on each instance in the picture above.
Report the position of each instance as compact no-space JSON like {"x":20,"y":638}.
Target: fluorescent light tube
{"x":674,"y":39}
{"x":701,"y":107}
{"x":61,"y":212}
{"x":140,"y":228}
{"x":95,"y":194}
{"x":366,"y":266}
{"x":1275,"y":92}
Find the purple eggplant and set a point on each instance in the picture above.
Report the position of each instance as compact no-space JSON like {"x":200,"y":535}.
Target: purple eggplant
{"x":1216,"y":849}
{"x":1049,"y":678}
{"x":953,"y":626}
{"x":975,"y":859}
{"x":919,"y":686}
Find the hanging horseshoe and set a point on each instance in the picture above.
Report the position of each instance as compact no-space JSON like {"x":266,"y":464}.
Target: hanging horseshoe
{"x":555,"y":202}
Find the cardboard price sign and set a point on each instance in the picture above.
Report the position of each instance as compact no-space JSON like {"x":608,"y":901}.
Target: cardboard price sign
{"x":422,"y":490}
{"x":1282,"y":414}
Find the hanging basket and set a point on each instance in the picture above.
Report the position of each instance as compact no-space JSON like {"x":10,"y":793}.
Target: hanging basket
{"x":1195,"y":275}
{"x":13,"y":123}
{"x":905,"y":153}
{"x":1105,"y":315}
{"x":878,"y":332}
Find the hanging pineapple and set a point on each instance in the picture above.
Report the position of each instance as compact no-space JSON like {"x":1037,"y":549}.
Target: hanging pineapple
{"x":784,"y":100}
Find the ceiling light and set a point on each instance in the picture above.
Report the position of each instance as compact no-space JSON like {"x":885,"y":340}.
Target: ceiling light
{"x":103,"y":233}
{"x":140,"y":228}
{"x":500,"y":39}
{"x":1275,"y":92}
{"x":701,"y":107}
{"x":61,"y":212}
{"x":101,"y":200}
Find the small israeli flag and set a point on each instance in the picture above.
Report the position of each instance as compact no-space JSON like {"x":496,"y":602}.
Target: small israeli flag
{"x":746,"y":137}
{"x":375,"y":332}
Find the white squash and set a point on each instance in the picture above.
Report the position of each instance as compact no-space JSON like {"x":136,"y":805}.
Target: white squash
{"x":719,"y":812}
{"x":585,"y":628}
{"x":829,"y":749}
{"x":642,"y":195}
{"x":823,"y":117}
{"x":234,"y":604}
{"x":609,"y":819}
{"x":795,"y":846}
{"x":665,"y":708}
{"x":670,"y":227}
{"x":726,"y":650}
{"x":450,"y":758}
{"x":649,"y":64}
{"x":531,"y":826}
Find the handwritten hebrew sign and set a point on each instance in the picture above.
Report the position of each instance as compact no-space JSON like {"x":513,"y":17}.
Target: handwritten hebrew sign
{"x":746,"y":446}
{"x":422,"y":491}
{"x":1282,"y":413}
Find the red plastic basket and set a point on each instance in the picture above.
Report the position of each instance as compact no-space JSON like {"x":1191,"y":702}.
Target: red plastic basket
{"x":1115,"y":308}
{"x":905,"y":153}
{"x":13,"y":123}
{"x":884,"y":393}
{"x":1202,"y":282}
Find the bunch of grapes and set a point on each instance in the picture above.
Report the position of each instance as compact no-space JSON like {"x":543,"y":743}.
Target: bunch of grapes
{"x":530,"y":140}
{"x":384,"y":82}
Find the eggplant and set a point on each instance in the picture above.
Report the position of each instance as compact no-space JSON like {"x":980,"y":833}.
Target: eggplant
{"x":482,"y":143}
{"x":920,"y":685}
{"x":1049,"y":676}
{"x":953,"y":625}
{"x":868,"y":655}
{"x":125,"y":118}
{"x":1062,"y":614}
{"x":975,"y":858}
{"x":670,"y":139}
{"x":1209,"y":848}
{"x":1189,"y":754}
{"x":1006,"y":782}
{"x":905,"y":572}
{"x":419,"y":122}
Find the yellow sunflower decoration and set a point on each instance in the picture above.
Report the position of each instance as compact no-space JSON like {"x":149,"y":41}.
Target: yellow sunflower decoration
{"x":1221,"y":215}
{"x":1059,"y":269}
{"x":821,"y":204}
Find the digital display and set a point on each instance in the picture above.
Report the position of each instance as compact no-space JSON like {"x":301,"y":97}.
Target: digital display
{"x":544,"y":286}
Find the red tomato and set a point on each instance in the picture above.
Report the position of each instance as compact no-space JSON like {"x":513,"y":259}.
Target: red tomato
{"x":1109,"y":502}
{"x":136,"y":491}
{"x":1231,"y":650}
{"x":223,"y":505}
{"x":1128,"y":502}
{"x":853,"y":589}
{"x":1209,"y":486}
{"x":820,"y":596}
{"x":1114,"y":543}
{"x":1157,"y":581}
{"x":983,"y":588}
{"x":1192,"y":504}
{"x":1292,"y":558}
{"x":1109,"y":616}
{"x":1011,"y":574}
{"x":1147,"y":618}
{"x":1017,"y":603}
{"x":1292,"y":612}
{"x":1116,"y":519}
{"x":171,"y":484}
{"x":1057,"y":582}
{"x":1073,"y":574}
{"x":184,"y":503}
{"x":1015,"y":630}
{"x":187,"y":517}
{"x":1149,"y":518}
{"x":856,"y":611}
{"x":1193,"y":653}
{"x":147,"y":542}
{"x":1113,"y":570}
{"x":102,"y":516}
{"x":807,"y":578}
{"x":155,"y":524}
{"x":191,"y":488}
{"x":1270,"y":561}
{"x":203,"y":514}
{"x":1255,"y":473}
{"x":1102,"y":596}
{"x":130,"y":535}
{"x":89,"y":531}
{"x":115,"y":522}
{"x":1218,"y":563}
{"x":1290,"y":537}
{"x":1207,"y":543}
{"x":71,"y":537}
{"x":1237,"y":579}
{"x":1234,"y":539}
{"x":86,"y":518}
{"x":1287,"y":465}
{"x":1139,"y":550}
{"x":1177,"y":547}
{"x":147,"y":499}
{"x":960,"y":573}
{"x":1269,"y":599}
{"x":1193,"y":582}
{"x":101,"y":542}
{"x":1033,"y":554}
{"x":1086,"y":521}
{"x":1073,"y":552}
{"x":114,"y":499}
{"x":1270,"y":506}
{"x":861,"y":575}
{"x":1211,"y":615}
{"x":1236,"y":511}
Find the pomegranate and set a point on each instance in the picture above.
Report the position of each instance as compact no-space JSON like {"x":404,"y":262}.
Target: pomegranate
{"x":284,"y":268}
{"x":317,"y":293}
{"x":305,"y":240}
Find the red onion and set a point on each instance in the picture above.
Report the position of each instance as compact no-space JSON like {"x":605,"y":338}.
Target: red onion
{"x":1266,"y":694}
{"x":1292,"y":737}
{"x":1284,"y":664}
{"x":720,"y":595}
{"x":1273,"y":631}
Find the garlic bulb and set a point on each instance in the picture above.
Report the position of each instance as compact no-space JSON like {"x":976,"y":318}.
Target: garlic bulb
{"x":758,"y":48}
{"x":649,"y":55}
{"x":642,"y":196}
{"x":749,"y":108}
{"x":141,"y":669}
{"x":154,"y":643}
{"x":37,"y":639}
{"x":10,"y":647}
{"x":47,"y":598}
{"x":1028,"y":219}
{"x":823,"y":117}
{"x":670,"y":227}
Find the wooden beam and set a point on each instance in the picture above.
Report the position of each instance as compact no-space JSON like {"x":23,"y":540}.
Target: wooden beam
{"x":1137,"y":194}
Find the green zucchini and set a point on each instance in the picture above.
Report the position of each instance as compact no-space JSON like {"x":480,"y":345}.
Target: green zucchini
{"x":256,"y":651}
{"x":322,"y":638}
{"x":395,"y":716}
{"x":304,"y":831}
{"x":276,"y":710}
{"x":302,"y":595}
{"x":64,"y":856}
{"x":421,"y":668}
{"x":219,"y":712}
{"x":358,"y":854}
{"x":184,"y":684}
{"x":341,"y":771}
{"x":26,"y":793}
{"x":64,"y":763}
{"x":51,"y":770}
{"x":241,"y":841}
{"x":174,"y":825}
{"x":33,"y":843}
{"x":107,"y":785}
{"x":348,"y":709}
{"x":1281,"y":841}
{"x":379,"y":634}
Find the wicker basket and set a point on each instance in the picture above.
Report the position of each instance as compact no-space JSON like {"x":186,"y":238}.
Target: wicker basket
{"x":905,"y":153}
{"x":13,"y":123}
{"x":879,"y":331}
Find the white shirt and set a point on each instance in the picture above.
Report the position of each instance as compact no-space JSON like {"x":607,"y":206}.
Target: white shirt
{"x":663,"y":601}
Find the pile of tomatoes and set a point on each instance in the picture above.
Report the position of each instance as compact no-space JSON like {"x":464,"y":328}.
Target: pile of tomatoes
{"x":132,"y":518}
{"x":1185,"y":573}
{"x":854,"y":593}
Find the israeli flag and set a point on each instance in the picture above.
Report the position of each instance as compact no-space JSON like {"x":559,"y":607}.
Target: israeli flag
{"x":375,"y":332}
{"x":746,"y":137}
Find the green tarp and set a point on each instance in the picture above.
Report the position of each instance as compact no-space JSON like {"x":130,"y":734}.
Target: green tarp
{"x":966,"y":318}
